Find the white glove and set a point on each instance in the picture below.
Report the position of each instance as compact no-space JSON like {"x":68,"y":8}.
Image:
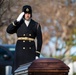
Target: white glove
{"x":20,"y":17}
{"x":36,"y":57}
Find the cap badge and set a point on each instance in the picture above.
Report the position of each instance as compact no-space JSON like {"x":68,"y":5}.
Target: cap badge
{"x":27,"y":9}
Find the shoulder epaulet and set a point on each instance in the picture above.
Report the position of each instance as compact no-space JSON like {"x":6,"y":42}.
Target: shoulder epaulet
{"x":38,"y":25}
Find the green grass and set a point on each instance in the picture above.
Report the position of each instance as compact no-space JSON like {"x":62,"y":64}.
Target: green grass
{"x":73,"y":58}
{"x":74,"y":74}
{"x":61,"y":57}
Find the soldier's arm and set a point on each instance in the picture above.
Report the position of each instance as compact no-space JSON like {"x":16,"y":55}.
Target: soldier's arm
{"x":12,"y":28}
{"x":39,"y":40}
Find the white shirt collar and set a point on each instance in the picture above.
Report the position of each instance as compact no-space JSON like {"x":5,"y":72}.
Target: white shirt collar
{"x":27,"y":22}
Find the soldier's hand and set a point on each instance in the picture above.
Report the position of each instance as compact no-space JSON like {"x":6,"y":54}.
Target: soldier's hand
{"x":20,"y":17}
{"x":36,"y":57}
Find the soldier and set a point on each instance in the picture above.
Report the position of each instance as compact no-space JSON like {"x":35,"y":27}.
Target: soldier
{"x":27,"y":30}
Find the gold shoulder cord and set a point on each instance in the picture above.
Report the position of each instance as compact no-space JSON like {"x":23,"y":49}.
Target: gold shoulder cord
{"x":37,"y":52}
{"x":13,"y":24}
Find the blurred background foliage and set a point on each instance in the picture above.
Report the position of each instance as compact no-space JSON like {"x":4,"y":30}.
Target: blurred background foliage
{"x":57,"y":19}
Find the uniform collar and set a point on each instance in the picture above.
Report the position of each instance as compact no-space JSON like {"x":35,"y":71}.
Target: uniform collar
{"x":27,"y":22}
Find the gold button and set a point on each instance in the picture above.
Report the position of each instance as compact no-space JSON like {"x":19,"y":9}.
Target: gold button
{"x":29,"y":47}
{"x":29,"y":34}
{"x":23,"y":41}
{"x":23,"y":47}
{"x":29,"y":40}
{"x":23,"y":34}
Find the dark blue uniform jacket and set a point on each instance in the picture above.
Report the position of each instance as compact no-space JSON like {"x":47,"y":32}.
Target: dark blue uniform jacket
{"x":25,"y":49}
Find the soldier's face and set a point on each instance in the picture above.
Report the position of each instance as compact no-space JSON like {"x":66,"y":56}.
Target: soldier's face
{"x":27,"y":16}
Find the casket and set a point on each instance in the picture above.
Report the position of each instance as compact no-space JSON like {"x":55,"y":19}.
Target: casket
{"x":43,"y":66}
{"x":48,"y":66}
